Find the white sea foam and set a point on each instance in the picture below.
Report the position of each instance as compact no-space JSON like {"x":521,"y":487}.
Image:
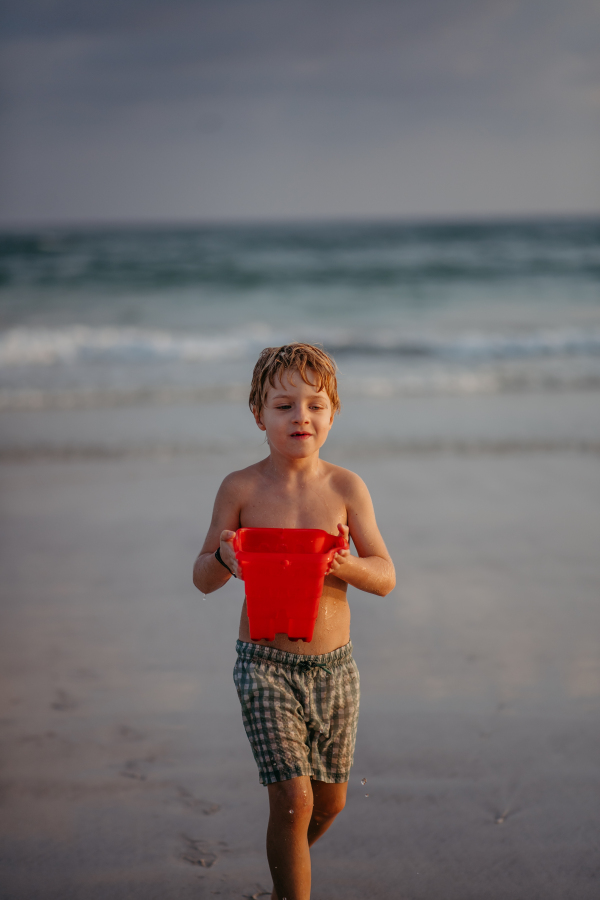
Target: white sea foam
{"x":80,"y":366}
{"x":76,"y":343}
{"x":80,"y":343}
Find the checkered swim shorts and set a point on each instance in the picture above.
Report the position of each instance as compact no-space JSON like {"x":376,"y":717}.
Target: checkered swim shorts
{"x":300,"y":712}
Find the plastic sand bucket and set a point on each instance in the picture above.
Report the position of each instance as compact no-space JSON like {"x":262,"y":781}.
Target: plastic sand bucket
{"x":283,"y":571}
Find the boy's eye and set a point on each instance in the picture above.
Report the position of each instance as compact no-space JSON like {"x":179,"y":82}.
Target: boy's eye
{"x":289,"y":406}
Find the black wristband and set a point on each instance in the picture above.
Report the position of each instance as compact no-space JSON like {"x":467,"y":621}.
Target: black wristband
{"x":218,"y":558}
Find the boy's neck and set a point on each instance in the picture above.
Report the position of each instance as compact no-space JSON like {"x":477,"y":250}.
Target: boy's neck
{"x":286,"y":469}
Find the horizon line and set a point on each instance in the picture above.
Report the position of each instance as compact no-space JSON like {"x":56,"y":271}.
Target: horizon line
{"x":299,"y":221}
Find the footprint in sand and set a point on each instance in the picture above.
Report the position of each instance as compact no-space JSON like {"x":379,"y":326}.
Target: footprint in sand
{"x":131,"y":735}
{"x":201,"y":852}
{"x":64,"y":701}
{"x":499,"y":815}
{"x":134,"y":768}
{"x":500,"y":818}
{"x":195,"y":803}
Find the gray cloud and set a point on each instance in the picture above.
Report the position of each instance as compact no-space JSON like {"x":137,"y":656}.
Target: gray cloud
{"x":307,"y":98}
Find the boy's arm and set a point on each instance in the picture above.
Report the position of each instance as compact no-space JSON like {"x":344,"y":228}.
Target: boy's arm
{"x":372,"y":570}
{"x":209,"y":574}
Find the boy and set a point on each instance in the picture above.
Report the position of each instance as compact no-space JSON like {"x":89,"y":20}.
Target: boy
{"x":299,"y":701}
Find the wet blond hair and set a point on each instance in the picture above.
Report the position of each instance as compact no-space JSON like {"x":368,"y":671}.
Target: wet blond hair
{"x":296,"y":357}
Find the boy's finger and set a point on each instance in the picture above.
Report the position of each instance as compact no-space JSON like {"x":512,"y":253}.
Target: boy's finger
{"x":334,"y":560}
{"x":227,"y":535}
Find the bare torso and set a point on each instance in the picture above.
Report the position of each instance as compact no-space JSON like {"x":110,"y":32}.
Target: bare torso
{"x":318,"y":503}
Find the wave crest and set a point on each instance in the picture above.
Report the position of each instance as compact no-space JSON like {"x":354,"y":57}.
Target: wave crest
{"x":81,"y":343}
{"x":44,"y":346}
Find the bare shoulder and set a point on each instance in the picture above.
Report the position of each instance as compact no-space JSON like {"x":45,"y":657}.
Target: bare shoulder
{"x":230,"y":499}
{"x":233,"y":491}
{"x":241,"y":479}
{"x":347,"y":483}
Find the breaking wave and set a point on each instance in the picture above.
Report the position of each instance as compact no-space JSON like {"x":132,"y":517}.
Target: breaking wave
{"x":82,"y":343}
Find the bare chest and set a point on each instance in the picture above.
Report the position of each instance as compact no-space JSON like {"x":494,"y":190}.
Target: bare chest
{"x":315,"y":506}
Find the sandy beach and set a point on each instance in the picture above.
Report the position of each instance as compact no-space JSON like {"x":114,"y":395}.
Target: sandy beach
{"x":126,"y":772}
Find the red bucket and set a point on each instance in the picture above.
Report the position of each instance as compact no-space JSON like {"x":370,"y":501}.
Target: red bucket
{"x":283,"y":570}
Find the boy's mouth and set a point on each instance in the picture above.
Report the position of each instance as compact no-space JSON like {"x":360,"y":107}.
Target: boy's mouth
{"x":300,"y":434}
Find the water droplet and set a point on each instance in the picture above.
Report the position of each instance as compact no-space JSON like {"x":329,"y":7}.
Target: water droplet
{"x":363,"y":780}
{"x":291,"y":811}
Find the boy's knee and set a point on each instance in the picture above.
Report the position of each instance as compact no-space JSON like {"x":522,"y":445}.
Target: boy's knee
{"x":292,"y":798}
{"x":329,"y":808}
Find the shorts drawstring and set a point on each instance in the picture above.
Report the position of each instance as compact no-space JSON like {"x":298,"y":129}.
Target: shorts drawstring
{"x":309,"y":663}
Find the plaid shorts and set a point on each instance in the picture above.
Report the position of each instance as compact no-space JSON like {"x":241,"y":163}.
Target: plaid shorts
{"x":300,"y":712}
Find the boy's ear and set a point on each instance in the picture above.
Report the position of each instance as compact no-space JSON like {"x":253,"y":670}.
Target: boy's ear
{"x":258,"y":421}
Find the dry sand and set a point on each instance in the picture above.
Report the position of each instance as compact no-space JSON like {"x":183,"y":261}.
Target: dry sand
{"x":126,"y":770}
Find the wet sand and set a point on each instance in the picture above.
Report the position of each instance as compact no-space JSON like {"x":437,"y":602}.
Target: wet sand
{"x":126,"y":772}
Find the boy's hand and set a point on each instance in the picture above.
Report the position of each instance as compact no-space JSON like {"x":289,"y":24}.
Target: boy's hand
{"x":228,"y":553}
{"x":339,"y":560}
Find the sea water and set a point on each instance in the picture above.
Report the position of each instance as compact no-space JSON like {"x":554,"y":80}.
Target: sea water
{"x":108,"y":318}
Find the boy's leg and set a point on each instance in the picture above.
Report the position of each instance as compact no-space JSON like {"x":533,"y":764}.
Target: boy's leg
{"x":301,"y":810}
{"x":291,"y":806}
{"x":328,"y":801}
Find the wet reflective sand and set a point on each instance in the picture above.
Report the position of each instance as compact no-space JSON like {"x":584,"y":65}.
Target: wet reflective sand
{"x":127,"y":772}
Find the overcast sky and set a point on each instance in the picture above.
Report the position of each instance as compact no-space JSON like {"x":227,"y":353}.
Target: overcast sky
{"x":147,"y":110}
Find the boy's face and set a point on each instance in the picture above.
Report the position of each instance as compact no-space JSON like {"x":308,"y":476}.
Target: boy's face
{"x":296,"y":416}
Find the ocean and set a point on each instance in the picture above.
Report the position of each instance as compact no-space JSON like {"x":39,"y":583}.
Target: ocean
{"x":143,"y":340}
{"x":100,"y":319}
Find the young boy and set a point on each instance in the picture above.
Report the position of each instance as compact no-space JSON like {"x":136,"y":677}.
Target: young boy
{"x":299,"y":701}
